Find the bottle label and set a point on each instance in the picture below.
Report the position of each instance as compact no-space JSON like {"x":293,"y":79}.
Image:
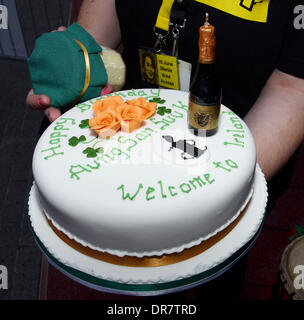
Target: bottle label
{"x":203,"y":117}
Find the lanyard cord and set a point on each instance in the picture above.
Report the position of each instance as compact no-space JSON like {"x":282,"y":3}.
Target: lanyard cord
{"x":171,"y":12}
{"x":242,"y":9}
{"x":164,"y":13}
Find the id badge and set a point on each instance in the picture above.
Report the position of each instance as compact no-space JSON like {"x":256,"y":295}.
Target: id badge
{"x":164,"y":71}
{"x":159,"y":69}
{"x":184,"y":72}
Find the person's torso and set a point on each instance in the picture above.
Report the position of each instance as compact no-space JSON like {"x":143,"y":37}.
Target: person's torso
{"x":246,"y":51}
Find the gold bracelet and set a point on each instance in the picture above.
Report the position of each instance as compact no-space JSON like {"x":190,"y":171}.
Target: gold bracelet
{"x":87,"y":73}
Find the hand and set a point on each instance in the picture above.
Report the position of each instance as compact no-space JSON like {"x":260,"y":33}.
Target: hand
{"x":43,"y":102}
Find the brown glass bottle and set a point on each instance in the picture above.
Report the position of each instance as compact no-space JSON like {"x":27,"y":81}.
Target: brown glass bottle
{"x":205,"y":90}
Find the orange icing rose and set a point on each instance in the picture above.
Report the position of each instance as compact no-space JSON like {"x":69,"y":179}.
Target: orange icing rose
{"x":112,"y":113}
{"x":149,"y":108}
{"x":106,"y":124}
{"x":129,"y":112}
{"x":133,"y":112}
{"x":131,"y":117}
{"x":108,"y":103}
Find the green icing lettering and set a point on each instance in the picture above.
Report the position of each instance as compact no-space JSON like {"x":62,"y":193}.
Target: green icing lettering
{"x":235,"y":119}
{"x":231,"y":164}
{"x":121,"y":94}
{"x":185,"y":187}
{"x":181,"y":106}
{"x":127,"y":195}
{"x":194,"y":184}
{"x":162,"y":189}
{"x":76,"y":170}
{"x":84,"y":107}
{"x":197,"y":181}
{"x":119,"y":152}
{"x":228,"y":112}
{"x":173,"y":194}
{"x":163,"y":127}
{"x":90,"y":141}
{"x":132,"y":93}
{"x":141,"y":93}
{"x":169,"y":119}
{"x":237,"y":133}
{"x":105,"y":155}
{"x":238,"y":141}
{"x":54,"y":141}
{"x":236,"y":123}
{"x":226,"y":143}
{"x":143,"y":135}
{"x":57,"y":135}
{"x":60,"y":127}
{"x":151,"y":130}
{"x":65,"y":120}
{"x":207,"y":178}
{"x":240,"y":131}
{"x":177,"y":114}
{"x":219,"y":165}
{"x":239,"y":136}
{"x":148,"y":192}
{"x":173,"y":115}
{"x":97,"y":165}
{"x":132,"y":142}
{"x":238,"y":126}
{"x":53,"y":152}
{"x":155,"y":92}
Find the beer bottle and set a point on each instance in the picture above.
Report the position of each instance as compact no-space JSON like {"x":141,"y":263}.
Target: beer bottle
{"x":205,"y":91}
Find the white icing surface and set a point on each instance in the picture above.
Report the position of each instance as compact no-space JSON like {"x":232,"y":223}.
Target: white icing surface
{"x":89,"y":208}
{"x":239,"y":236}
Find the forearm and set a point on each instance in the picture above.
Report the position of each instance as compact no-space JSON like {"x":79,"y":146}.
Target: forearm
{"x":99,"y":18}
{"x":277,"y":121}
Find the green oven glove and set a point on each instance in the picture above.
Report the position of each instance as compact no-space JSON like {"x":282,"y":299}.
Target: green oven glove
{"x":67,"y":66}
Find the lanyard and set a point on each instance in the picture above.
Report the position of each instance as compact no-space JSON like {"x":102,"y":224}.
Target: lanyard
{"x":171,"y":14}
{"x":245,"y":9}
{"x":164,"y":13}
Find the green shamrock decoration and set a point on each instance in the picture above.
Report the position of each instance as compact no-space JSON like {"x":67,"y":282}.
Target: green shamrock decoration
{"x":91,"y":152}
{"x":158,"y":100}
{"x":74,"y":140}
{"x":162,"y":110}
{"x":84,"y":124}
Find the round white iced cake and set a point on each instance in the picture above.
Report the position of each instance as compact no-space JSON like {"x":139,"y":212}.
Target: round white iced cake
{"x":157,"y":190}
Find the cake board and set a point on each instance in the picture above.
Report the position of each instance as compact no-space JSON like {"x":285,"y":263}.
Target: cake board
{"x":152,"y":281}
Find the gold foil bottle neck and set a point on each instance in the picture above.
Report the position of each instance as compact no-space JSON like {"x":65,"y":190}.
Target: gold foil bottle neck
{"x":206,"y":42}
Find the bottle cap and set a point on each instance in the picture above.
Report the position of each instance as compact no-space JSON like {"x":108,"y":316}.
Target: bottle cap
{"x":206,"y":42}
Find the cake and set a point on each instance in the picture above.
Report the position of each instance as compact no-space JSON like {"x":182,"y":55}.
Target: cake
{"x":157,"y":190}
